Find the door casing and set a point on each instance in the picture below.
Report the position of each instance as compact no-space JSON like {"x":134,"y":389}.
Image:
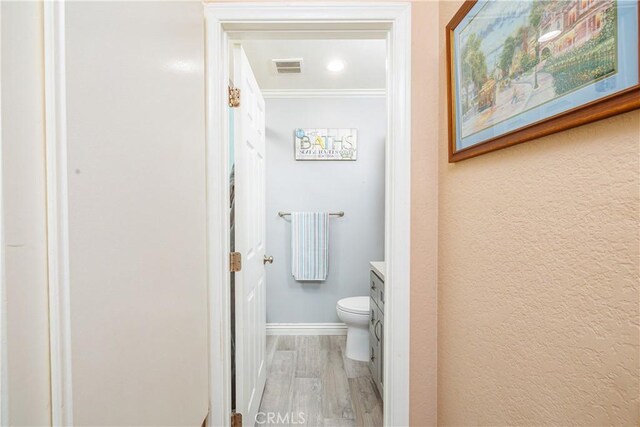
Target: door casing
{"x":229,"y":21}
{"x":4,"y":395}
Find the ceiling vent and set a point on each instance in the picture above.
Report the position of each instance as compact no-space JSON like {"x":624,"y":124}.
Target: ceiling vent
{"x":288,"y":66}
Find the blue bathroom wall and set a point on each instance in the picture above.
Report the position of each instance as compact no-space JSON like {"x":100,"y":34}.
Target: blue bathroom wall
{"x":357,"y":188}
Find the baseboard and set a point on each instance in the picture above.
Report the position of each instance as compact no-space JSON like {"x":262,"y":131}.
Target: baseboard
{"x":306,"y":329}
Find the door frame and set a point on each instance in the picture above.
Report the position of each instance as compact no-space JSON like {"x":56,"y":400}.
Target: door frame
{"x":393,"y":18}
{"x":4,"y":380}
{"x":55,"y":105}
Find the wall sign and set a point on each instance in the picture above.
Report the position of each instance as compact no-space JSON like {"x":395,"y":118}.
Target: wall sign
{"x":326,"y":144}
{"x":524,"y":69}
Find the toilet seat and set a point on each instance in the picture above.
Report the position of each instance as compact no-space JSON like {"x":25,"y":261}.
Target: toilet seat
{"x":355,"y":305}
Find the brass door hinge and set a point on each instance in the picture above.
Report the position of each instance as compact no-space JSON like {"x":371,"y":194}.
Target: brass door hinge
{"x":235,"y":261}
{"x":236,"y":419}
{"x":234,"y":97}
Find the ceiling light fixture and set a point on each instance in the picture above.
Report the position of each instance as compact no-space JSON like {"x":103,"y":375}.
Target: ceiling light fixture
{"x":335,"y":66}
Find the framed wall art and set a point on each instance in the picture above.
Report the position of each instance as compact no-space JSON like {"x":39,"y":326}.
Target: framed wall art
{"x":519,"y":70}
{"x":326,"y":144}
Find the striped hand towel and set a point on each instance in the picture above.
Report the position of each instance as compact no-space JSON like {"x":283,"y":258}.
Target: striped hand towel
{"x":309,"y":245}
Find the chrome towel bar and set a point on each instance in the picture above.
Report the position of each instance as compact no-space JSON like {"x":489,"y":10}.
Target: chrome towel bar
{"x":341,"y":213}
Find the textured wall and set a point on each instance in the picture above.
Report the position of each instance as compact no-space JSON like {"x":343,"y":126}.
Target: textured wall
{"x":357,"y":188}
{"x":538,"y":278}
{"x":425,"y":84}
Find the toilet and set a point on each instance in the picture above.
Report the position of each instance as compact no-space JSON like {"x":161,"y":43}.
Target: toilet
{"x":354,"y":312}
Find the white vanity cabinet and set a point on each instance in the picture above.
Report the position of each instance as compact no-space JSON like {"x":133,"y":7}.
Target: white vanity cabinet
{"x":376,"y":324}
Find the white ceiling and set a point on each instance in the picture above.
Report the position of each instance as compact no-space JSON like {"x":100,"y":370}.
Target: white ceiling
{"x":364,"y":63}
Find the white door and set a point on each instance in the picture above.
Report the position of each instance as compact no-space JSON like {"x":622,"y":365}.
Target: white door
{"x":137,"y":213}
{"x":250,"y":295}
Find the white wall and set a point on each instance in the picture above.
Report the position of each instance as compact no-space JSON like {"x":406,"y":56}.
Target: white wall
{"x":25,"y":220}
{"x":136,"y":150}
{"x":357,"y":188}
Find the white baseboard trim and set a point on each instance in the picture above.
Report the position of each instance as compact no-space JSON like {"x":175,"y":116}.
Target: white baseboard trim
{"x":306,"y":329}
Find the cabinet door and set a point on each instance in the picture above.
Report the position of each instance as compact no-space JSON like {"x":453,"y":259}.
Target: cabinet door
{"x":380,"y":333}
{"x":373,"y":357}
{"x":375,"y":284}
{"x":376,"y":290}
{"x":373,"y":317}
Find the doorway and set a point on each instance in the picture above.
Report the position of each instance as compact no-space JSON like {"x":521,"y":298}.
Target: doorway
{"x":227,"y":26}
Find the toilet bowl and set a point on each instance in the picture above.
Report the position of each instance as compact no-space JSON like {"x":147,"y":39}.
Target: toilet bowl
{"x":354,"y":312}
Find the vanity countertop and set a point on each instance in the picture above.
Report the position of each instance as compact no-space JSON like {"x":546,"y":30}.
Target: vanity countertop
{"x":379,"y":267}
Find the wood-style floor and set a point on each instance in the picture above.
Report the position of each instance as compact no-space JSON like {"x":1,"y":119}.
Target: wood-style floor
{"x":311,"y":375}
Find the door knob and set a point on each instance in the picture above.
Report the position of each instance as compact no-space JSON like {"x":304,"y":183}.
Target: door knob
{"x":267,"y":259}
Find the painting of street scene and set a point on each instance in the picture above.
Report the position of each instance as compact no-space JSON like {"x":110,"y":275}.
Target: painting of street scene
{"x":517,"y":55}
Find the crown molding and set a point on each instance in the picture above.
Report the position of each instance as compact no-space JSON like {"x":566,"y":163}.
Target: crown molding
{"x":323,"y":93}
